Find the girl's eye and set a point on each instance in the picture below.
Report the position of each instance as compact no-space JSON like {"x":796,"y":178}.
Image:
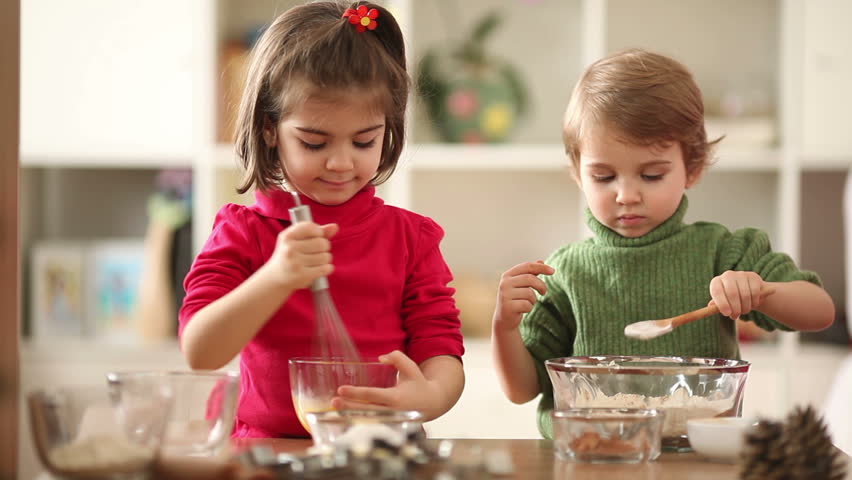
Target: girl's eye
{"x":364,"y":145}
{"x":653,"y":178}
{"x":603,"y":178}
{"x":312,"y":146}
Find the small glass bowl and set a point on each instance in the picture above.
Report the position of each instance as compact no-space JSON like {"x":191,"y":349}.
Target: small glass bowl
{"x":314,"y":381}
{"x":357,"y":430}
{"x":607,"y":435}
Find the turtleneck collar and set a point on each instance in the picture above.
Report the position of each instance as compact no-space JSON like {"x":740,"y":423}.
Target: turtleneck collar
{"x":605,"y":236}
{"x":353,"y":212}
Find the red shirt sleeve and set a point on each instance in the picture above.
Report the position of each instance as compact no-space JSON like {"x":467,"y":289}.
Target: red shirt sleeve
{"x":225,"y":261}
{"x":429,"y":314}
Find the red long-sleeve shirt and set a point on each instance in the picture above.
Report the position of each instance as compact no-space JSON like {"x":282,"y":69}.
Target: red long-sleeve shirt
{"x":389,"y":286}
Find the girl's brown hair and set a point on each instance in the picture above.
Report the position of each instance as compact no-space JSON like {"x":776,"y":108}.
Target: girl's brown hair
{"x":646,"y":98}
{"x":312,"y":50}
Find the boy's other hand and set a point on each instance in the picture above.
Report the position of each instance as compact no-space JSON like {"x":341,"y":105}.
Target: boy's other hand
{"x":516,"y":293}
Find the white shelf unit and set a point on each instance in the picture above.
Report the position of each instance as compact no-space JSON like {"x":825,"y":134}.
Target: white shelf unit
{"x":771,"y":60}
{"x":113,"y":92}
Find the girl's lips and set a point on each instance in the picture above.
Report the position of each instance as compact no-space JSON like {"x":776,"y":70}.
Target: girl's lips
{"x":336,"y":184}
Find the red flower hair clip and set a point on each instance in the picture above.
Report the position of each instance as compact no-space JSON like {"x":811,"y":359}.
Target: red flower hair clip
{"x":362,"y":18}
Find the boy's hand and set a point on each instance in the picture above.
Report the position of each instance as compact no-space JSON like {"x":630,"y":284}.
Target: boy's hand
{"x":736,"y":293}
{"x":302,"y":254}
{"x":413,"y":391}
{"x":515,"y":295}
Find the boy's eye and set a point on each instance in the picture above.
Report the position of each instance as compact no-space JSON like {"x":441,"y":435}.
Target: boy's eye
{"x":312,"y":146}
{"x":653,"y":178}
{"x":364,"y":145}
{"x":603,"y":178}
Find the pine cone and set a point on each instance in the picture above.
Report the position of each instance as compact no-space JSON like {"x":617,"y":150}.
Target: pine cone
{"x":763,"y":452}
{"x":808,"y":448}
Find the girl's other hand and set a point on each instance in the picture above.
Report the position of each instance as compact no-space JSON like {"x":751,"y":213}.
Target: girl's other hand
{"x":302,"y":254}
{"x":413,"y":391}
{"x":736,"y":293}
{"x":515,"y":295}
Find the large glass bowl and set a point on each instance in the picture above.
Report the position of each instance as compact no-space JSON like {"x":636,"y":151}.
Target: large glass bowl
{"x":202,"y":414}
{"x":681,"y":387}
{"x":99,"y":433}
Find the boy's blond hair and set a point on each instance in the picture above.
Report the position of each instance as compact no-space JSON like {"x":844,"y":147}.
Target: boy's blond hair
{"x":645,"y":99}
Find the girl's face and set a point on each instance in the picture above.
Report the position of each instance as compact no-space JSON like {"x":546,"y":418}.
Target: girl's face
{"x":631,"y":188}
{"x":330,"y":150}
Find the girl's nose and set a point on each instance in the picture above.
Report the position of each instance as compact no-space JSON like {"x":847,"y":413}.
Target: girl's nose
{"x":627,"y":194}
{"x":339,"y":160}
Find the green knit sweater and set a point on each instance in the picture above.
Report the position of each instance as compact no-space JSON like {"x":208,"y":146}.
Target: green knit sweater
{"x":609,"y":281}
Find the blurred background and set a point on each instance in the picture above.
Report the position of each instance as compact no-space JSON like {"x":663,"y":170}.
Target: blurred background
{"x":126,"y":155}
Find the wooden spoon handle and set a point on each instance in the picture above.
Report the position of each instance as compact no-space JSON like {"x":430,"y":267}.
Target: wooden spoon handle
{"x":711,"y":309}
{"x":694,"y":315}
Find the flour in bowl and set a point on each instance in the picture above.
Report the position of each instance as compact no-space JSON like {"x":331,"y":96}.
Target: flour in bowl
{"x":102,"y":452}
{"x":678,"y":407}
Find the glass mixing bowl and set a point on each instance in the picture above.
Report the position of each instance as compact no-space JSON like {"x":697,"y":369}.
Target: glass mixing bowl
{"x":607,"y":435}
{"x":357,"y":429}
{"x":99,"y":433}
{"x":314,"y":381}
{"x":681,"y":387}
{"x":203,"y":408}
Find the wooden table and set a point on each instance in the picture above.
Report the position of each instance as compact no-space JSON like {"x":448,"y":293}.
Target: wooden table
{"x":534,"y":459}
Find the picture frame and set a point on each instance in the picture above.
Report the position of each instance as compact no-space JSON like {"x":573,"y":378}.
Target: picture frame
{"x":114,"y":272}
{"x":58,"y":290}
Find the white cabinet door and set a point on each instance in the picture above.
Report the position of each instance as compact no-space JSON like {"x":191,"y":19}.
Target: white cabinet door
{"x":106,"y":78}
{"x":827,"y":75}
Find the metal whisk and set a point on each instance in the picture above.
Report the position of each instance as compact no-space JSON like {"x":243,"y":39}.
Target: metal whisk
{"x":332,"y":340}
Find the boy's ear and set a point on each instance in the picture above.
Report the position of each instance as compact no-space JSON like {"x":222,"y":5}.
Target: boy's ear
{"x":693,"y":177}
{"x":575,"y":175}
{"x":270,"y":133}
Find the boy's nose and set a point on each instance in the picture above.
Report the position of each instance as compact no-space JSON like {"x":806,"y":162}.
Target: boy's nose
{"x":627,"y":194}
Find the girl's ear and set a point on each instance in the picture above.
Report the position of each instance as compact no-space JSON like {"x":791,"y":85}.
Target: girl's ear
{"x":270,"y":133}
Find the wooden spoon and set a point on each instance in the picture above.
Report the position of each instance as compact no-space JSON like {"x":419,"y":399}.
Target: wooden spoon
{"x":648,"y":329}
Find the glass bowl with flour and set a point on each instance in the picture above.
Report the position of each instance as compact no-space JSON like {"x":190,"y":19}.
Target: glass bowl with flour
{"x":96,"y":433}
{"x":681,"y":387}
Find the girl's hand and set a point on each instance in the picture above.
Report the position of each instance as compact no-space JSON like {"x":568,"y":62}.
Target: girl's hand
{"x":736,"y":293}
{"x":413,"y":390}
{"x":515,"y":295}
{"x":302,"y":254}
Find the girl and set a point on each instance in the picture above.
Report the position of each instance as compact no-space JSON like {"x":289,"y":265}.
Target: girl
{"x":323,"y":111}
{"x":634,"y":133}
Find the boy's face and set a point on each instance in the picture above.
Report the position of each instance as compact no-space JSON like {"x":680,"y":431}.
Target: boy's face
{"x":631,"y":188}
{"x":330,"y":148}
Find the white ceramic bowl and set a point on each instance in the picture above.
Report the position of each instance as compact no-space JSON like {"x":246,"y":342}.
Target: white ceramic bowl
{"x":718,"y":438}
